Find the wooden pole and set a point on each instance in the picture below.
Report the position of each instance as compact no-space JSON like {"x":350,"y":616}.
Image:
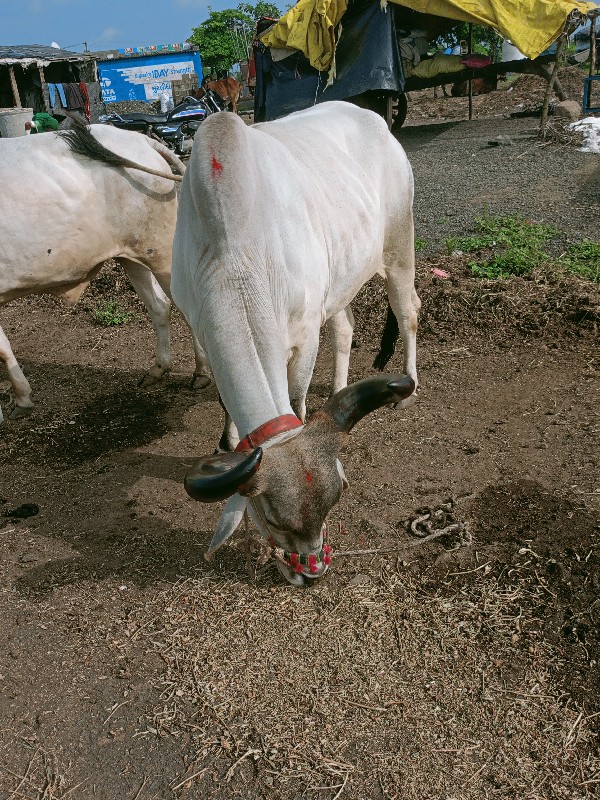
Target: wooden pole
{"x":593,"y":46}
{"x":15,"y":88}
{"x":470,"y":45}
{"x":43,"y":81}
{"x":548,"y":92}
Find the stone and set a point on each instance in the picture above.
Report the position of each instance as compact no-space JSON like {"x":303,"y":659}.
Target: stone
{"x":567,"y":109}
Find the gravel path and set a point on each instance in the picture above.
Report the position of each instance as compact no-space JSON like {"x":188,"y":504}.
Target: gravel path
{"x":548,"y":182}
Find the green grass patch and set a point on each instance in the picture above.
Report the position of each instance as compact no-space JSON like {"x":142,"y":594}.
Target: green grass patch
{"x":420,"y":244}
{"x":109,"y":313}
{"x":583,"y":259}
{"x":508,"y":245}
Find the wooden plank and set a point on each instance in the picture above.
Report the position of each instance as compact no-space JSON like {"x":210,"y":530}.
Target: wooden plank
{"x":15,"y":88}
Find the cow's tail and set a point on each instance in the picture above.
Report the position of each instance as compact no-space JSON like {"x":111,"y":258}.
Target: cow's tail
{"x":80,"y":140}
{"x":169,"y":156}
{"x":389,"y":337}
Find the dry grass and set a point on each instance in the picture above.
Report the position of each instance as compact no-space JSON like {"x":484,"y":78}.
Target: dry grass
{"x":42,"y":779}
{"x":362,"y":687}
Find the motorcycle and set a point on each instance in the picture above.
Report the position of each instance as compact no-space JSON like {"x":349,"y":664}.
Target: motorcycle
{"x":177,"y":127}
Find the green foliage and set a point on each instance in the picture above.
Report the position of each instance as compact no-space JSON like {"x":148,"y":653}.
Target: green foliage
{"x":226,"y":36}
{"x":109,"y":313}
{"x":420,"y":244}
{"x":583,"y":259}
{"x":515,"y":245}
{"x":485,"y":39}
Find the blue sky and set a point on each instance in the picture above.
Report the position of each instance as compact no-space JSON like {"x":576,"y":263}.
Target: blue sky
{"x":103,"y":24}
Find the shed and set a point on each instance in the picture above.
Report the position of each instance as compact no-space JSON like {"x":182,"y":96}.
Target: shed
{"x":26,"y":71}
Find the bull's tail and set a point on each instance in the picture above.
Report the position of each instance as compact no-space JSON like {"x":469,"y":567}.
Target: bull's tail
{"x":389,"y":337}
{"x":169,"y":156}
{"x":80,"y":140}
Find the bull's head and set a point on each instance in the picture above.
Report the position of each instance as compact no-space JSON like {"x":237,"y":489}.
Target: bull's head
{"x":300,"y":479}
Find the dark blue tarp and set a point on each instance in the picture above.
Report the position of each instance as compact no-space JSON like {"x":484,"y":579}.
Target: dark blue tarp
{"x":367,"y":59}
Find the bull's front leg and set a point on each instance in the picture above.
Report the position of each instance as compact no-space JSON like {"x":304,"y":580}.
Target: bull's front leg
{"x":301,"y":364}
{"x":20,"y":402}
{"x":341,"y":328}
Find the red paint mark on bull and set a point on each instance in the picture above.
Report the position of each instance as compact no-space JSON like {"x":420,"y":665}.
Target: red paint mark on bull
{"x":217,"y":167}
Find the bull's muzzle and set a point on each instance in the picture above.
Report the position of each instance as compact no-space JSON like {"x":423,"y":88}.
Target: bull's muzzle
{"x":298,"y":567}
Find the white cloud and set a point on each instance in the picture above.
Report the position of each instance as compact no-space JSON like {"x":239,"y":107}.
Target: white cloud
{"x":111,"y":35}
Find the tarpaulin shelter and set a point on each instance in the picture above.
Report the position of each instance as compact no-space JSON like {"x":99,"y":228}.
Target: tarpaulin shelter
{"x":337,"y":49}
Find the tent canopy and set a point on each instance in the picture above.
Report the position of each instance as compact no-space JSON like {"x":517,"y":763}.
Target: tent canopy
{"x":531,"y":25}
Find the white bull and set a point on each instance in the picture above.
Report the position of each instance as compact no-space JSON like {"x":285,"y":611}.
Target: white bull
{"x":63,"y":213}
{"x":279,"y":225}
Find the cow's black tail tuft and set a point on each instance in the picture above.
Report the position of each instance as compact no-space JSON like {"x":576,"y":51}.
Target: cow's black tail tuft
{"x":81,"y":141}
{"x":389,"y":337}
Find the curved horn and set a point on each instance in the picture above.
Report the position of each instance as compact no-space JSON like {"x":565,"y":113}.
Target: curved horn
{"x":217,"y":477}
{"x":351,"y":404}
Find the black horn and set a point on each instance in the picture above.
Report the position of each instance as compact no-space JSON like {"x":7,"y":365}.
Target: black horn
{"x":351,"y":404}
{"x":217,"y":477}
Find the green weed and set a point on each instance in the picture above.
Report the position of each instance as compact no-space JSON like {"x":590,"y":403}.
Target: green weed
{"x":514,"y":245}
{"x":583,"y":259}
{"x":109,"y":313}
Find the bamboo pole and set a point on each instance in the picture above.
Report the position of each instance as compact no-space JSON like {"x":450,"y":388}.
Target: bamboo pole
{"x":15,"y":88}
{"x":593,"y":46}
{"x":470,"y":46}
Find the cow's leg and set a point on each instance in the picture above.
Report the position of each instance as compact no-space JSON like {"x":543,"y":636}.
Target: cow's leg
{"x":341,"y":327}
{"x":202,"y":376}
{"x":158,"y":307}
{"x":300,"y":369}
{"x":20,"y":403}
{"x":230,"y":436}
{"x":399,"y":271}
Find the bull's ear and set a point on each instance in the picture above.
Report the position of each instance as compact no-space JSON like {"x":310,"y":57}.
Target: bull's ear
{"x":342,"y":474}
{"x":219,"y":476}
{"x":228,"y":522}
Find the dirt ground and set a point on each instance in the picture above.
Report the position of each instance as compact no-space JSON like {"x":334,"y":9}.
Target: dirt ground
{"x":462,"y":668}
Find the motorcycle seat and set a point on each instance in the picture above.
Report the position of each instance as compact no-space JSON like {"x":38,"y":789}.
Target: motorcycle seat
{"x":150,"y":118}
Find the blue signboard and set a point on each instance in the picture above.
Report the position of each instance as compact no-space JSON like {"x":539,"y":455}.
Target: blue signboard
{"x":147,"y":77}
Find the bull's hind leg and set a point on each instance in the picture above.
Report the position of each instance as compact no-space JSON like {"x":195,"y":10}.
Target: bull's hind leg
{"x":202,"y":374}
{"x":399,"y":271}
{"x":20,"y":403}
{"x":158,"y":306}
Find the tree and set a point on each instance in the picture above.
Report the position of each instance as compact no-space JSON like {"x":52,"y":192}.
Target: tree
{"x":485,"y":39}
{"x":226,"y":36}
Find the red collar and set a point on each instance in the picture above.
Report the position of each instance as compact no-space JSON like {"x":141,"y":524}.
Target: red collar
{"x":287,"y":422}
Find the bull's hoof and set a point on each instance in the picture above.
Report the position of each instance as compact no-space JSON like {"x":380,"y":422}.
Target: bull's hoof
{"x":409,"y":401}
{"x":199,"y":381}
{"x":152,"y":378}
{"x":17,"y":412}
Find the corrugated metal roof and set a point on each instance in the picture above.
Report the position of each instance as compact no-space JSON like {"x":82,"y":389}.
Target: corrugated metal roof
{"x":114,"y":55}
{"x":33,"y":52}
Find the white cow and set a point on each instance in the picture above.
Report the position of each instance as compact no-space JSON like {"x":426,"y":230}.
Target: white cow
{"x":279,"y":225}
{"x":63,"y":213}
